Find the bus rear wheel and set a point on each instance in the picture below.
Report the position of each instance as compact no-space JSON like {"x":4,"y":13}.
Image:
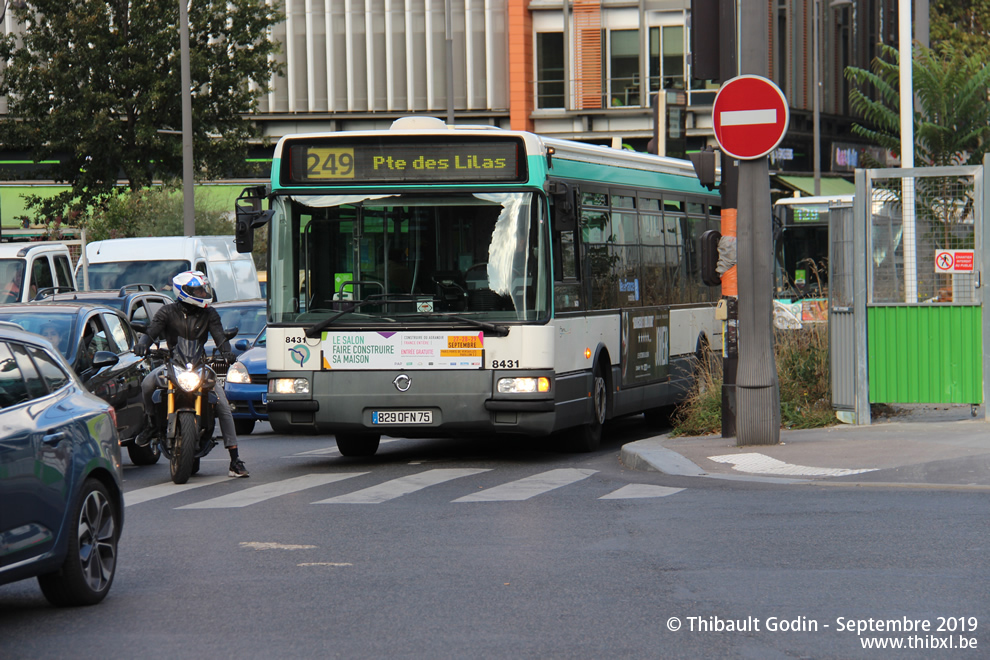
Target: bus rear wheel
{"x":357,"y":444}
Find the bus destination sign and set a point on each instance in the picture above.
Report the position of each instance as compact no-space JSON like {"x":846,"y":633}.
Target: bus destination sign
{"x":353,"y":162}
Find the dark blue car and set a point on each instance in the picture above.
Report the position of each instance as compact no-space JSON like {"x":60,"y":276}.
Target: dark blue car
{"x":247,"y":386}
{"x":61,"y":503}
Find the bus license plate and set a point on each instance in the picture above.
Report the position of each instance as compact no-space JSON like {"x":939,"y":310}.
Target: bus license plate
{"x":402,"y":417}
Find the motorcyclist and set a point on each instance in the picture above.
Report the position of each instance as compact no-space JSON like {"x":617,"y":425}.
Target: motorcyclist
{"x":192,"y":318}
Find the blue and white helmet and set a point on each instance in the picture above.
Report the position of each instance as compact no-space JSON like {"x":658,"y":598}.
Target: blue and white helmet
{"x":192,"y":287}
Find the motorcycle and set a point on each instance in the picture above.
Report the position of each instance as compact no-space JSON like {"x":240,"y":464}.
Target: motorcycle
{"x":186,"y":405}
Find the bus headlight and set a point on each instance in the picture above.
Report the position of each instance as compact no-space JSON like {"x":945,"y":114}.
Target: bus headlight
{"x":188,"y":380}
{"x":238,"y":373}
{"x":519,"y":385}
{"x":288,"y":386}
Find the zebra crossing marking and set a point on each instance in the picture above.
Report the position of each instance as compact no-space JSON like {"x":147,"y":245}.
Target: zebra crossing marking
{"x":402,"y":486}
{"x":513,"y":491}
{"x":256,"y":494}
{"x":527,"y":487}
{"x":163,"y":490}
{"x":639,"y":491}
{"x":332,"y":451}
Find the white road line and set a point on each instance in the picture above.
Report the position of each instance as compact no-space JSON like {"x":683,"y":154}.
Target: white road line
{"x":401,"y":486}
{"x":762,"y":464}
{"x":332,"y":451}
{"x":748,"y":117}
{"x":164,"y":490}
{"x":256,"y":494}
{"x":523,"y":489}
{"x":635,"y":491}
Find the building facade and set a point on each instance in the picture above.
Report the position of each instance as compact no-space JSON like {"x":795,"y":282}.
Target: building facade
{"x":591,"y":70}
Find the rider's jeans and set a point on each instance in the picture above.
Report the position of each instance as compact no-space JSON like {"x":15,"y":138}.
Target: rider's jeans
{"x":150,"y":383}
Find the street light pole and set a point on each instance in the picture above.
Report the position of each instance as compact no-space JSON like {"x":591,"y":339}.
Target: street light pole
{"x":188,"y":193}
{"x":817,"y":119}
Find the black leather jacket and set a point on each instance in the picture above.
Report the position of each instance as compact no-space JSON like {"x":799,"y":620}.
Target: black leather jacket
{"x":188,"y":321}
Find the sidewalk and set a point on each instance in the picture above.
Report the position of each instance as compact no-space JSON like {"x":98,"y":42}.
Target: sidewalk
{"x":914,"y":446}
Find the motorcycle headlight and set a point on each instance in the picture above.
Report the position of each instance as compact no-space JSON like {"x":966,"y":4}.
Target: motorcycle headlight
{"x":238,"y":373}
{"x":188,"y":380}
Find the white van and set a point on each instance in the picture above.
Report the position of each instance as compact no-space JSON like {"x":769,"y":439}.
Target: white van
{"x":116,"y":262}
{"x":42,"y":265}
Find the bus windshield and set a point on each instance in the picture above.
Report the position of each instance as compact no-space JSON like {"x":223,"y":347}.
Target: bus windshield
{"x":408,"y":258}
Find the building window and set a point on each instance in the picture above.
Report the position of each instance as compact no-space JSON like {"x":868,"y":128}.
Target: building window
{"x":550,"y":70}
{"x":622,"y":85}
{"x":667,"y":69}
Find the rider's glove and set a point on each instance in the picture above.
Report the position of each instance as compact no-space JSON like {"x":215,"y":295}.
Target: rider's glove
{"x":141,"y":348}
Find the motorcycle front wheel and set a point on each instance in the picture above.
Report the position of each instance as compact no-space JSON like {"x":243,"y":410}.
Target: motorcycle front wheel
{"x":184,"y":450}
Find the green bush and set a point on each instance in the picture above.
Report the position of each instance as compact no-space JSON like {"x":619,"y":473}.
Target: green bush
{"x":156,"y":211}
{"x":802,"y":361}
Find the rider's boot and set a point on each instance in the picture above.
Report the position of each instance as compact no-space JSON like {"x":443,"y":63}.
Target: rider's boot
{"x":237,"y":468}
{"x":143,"y":438}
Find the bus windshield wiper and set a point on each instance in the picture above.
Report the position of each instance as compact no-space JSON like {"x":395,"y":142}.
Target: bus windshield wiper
{"x":316,"y":329}
{"x":491,"y":328}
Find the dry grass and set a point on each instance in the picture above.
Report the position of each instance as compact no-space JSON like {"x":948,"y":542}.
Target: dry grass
{"x":802,"y":360}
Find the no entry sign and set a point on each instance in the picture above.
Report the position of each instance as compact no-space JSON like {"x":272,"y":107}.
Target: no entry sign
{"x":750,"y":116}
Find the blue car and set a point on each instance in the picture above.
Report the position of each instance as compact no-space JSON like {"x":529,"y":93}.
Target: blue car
{"x":61,"y":502}
{"x":247,"y":386}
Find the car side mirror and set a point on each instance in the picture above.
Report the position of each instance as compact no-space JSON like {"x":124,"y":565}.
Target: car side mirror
{"x":104,"y":359}
{"x":241,"y":344}
{"x":230,"y":333}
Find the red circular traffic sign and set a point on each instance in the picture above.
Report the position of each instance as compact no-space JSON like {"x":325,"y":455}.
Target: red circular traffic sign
{"x":750,"y":116}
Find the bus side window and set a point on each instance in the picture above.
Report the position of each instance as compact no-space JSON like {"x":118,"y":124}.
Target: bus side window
{"x":567,"y":287}
{"x":597,"y":257}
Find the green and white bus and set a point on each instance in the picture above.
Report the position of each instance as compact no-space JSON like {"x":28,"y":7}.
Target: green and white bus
{"x":430,"y":280}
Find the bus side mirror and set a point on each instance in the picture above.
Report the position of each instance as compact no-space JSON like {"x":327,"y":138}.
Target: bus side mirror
{"x":709,"y":258}
{"x":248,"y":217}
{"x":564,"y":205}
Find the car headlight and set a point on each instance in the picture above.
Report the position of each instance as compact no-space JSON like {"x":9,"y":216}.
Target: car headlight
{"x":188,"y":380}
{"x":238,"y":373}
{"x":520,"y":385}
{"x":288,"y":386}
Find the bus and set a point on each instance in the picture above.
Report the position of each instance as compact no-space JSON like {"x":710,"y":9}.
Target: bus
{"x":801,"y":241}
{"x":430,"y":280}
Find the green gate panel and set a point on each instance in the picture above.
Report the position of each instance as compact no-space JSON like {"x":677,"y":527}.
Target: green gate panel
{"x":925,"y":354}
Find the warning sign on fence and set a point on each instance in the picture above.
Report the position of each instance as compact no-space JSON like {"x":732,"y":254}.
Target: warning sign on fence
{"x":954,"y":261}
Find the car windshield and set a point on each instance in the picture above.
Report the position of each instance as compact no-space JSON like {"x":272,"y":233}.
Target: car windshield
{"x":11,"y":280}
{"x":248,"y":319}
{"x":424,"y":259}
{"x":261,"y":340}
{"x":57,"y":327}
{"x":115,"y":274}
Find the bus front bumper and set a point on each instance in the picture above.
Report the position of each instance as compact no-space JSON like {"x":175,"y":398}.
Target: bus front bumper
{"x":441,"y":403}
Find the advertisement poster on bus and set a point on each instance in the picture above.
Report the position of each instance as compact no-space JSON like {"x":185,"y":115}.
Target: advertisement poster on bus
{"x":645,"y":345}
{"x":403,"y":350}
